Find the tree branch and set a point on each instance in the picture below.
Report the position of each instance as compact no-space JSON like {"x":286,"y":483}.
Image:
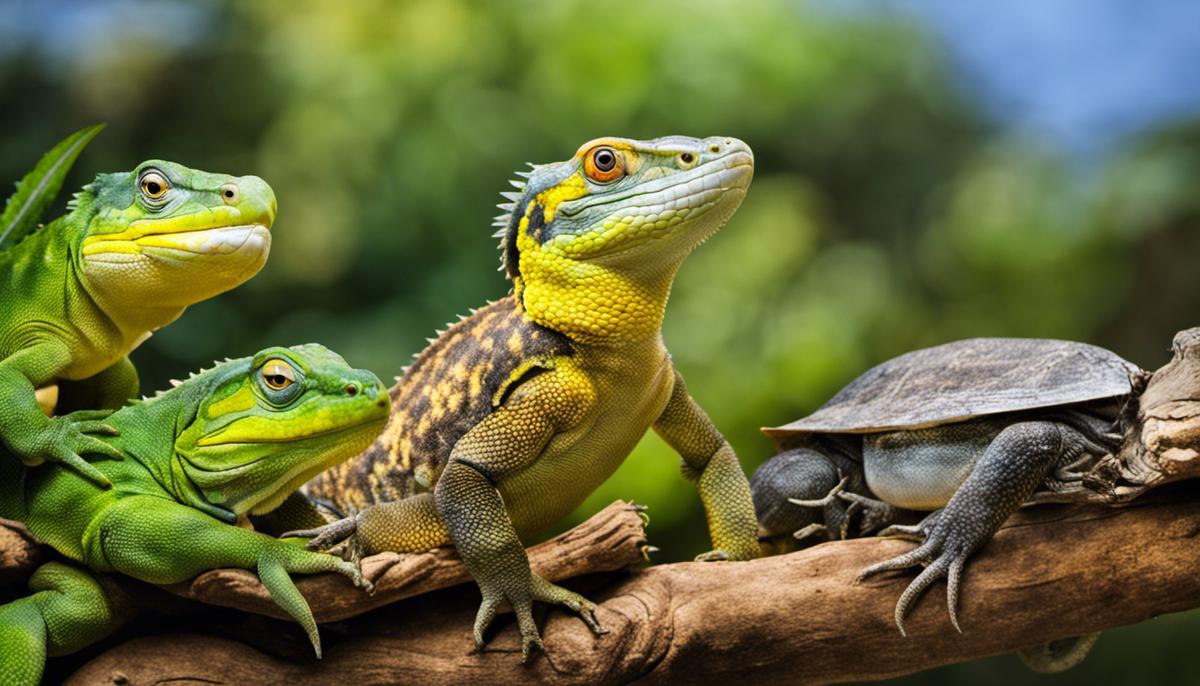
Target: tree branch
{"x":1053,"y":572}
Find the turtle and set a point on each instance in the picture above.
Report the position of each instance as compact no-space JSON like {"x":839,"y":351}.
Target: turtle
{"x":967,"y":432}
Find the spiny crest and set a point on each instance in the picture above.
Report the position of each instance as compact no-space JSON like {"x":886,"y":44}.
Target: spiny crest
{"x":505,"y":224}
{"x":77,"y":196}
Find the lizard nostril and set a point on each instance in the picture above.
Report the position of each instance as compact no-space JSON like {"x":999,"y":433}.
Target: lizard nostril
{"x":715,"y":148}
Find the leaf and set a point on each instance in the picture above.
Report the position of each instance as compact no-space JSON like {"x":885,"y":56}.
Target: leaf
{"x":38,"y":189}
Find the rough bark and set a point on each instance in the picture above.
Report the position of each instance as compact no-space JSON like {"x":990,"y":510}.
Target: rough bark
{"x":1054,"y":571}
{"x":20,"y":554}
{"x":1163,"y":443}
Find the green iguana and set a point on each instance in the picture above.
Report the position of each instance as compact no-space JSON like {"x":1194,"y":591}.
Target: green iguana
{"x":78,"y":295}
{"x":508,"y":420}
{"x":241,"y":437}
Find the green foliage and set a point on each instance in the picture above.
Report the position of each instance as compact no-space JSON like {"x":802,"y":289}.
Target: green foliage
{"x":39,"y":187}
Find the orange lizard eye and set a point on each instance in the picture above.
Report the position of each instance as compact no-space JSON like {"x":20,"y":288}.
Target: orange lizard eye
{"x":603,"y":164}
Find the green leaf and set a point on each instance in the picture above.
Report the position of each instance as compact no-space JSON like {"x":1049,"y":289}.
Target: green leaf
{"x":38,"y":189}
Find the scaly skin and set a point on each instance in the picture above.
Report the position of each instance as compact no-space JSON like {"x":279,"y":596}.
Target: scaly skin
{"x":971,"y":476}
{"x":508,"y":420}
{"x":229,"y":442}
{"x":77,"y":296}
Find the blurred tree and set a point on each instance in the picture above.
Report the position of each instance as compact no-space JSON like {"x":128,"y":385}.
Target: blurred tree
{"x":888,"y":212}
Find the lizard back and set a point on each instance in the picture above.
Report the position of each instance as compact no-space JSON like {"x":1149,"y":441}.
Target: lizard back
{"x":448,"y":389}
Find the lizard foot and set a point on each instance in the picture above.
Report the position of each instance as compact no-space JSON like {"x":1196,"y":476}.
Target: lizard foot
{"x":341,"y":540}
{"x":911,"y":532}
{"x":327,"y":536}
{"x":827,"y":499}
{"x":944,"y":554}
{"x":66,"y":439}
{"x":521,"y":600}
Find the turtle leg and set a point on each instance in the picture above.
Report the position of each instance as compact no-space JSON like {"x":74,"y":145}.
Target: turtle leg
{"x":804,"y":477}
{"x":1012,"y":466}
{"x":912,"y":532}
{"x":876,"y":514}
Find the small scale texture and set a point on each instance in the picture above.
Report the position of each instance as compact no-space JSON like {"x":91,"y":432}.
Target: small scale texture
{"x":922,"y":469}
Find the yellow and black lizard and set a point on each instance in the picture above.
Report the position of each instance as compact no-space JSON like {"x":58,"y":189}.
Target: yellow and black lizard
{"x":514,"y":415}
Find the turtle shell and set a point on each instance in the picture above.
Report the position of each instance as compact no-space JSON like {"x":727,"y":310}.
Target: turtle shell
{"x":968,"y":379}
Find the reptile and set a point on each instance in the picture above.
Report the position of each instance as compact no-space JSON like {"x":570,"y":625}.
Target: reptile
{"x":239,"y":437}
{"x":966,"y":432}
{"x":512,"y":416}
{"x":79,"y":294}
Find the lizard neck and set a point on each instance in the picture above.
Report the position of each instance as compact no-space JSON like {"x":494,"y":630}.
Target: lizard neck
{"x":593,"y":304}
{"x":134,"y":317}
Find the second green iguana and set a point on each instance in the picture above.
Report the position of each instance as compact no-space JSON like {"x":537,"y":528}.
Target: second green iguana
{"x":239,"y":437}
{"x":512,"y":417}
{"x":79,"y":294}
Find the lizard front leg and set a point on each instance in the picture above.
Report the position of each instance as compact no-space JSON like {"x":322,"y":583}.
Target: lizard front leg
{"x":466,"y":507}
{"x":32,"y":436}
{"x":710,"y":463}
{"x":466,"y":496}
{"x":163,"y":542}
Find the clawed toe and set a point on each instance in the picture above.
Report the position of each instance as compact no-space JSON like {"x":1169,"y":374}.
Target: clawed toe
{"x":827,"y":499}
{"x":938,"y":564}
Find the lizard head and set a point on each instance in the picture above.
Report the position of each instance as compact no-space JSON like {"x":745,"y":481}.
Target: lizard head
{"x":592,"y":244}
{"x":166,"y":236}
{"x":264,"y":425}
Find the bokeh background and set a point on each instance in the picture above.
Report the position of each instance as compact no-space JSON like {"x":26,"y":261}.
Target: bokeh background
{"x":927,"y":170}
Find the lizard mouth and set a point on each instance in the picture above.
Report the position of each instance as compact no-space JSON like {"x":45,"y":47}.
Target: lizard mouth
{"x":211,"y":241}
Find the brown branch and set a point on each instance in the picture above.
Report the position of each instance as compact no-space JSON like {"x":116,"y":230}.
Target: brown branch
{"x":20,"y":553}
{"x":1054,"y":571}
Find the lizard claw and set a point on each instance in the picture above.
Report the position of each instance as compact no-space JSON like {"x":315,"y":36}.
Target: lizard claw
{"x":641,"y":511}
{"x":326,"y":537}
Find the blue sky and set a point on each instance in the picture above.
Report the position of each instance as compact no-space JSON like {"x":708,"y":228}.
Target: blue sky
{"x":1085,"y":73}
{"x":1079,"y":74}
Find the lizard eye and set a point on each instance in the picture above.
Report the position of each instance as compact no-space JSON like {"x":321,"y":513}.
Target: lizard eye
{"x":278,"y":375}
{"x":154,"y":185}
{"x":603,"y":164}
